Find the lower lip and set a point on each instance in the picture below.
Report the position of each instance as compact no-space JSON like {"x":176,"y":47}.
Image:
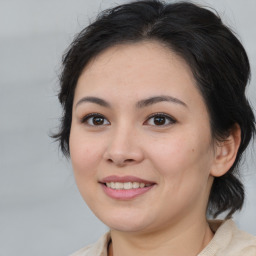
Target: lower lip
{"x":125,"y":194}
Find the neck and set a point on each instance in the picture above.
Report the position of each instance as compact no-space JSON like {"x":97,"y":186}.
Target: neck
{"x":182,"y":240}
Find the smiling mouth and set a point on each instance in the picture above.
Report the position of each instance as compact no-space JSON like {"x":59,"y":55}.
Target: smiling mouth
{"x":126,"y":185}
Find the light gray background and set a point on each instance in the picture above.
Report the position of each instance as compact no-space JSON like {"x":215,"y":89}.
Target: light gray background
{"x":41,"y":211}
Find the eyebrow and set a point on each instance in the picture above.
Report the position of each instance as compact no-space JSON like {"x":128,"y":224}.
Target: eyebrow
{"x":140,"y":104}
{"x":153,"y":100}
{"x":95,"y":100}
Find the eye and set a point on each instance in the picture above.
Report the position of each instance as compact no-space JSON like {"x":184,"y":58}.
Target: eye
{"x":160,"y":119}
{"x":95,"y":119}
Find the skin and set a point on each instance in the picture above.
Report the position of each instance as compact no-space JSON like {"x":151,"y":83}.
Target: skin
{"x":179,"y":156}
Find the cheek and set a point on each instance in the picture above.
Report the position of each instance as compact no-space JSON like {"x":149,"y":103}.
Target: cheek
{"x":184,"y":166}
{"x":85,"y":157}
{"x":182,"y":155}
{"x":171,"y":154}
{"x":84,"y":153}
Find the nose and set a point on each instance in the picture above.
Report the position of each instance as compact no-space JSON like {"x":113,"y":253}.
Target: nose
{"x":123,"y":148}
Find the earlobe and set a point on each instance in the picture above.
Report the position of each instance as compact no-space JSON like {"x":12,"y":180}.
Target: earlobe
{"x":226,"y":152}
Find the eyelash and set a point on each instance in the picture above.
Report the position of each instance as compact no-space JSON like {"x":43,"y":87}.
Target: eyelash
{"x":92,"y":115}
{"x":162,"y":115}
{"x":155,"y":115}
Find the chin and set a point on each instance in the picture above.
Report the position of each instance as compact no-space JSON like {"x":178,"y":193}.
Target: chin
{"x":126,"y":222}
{"x":130,"y":226}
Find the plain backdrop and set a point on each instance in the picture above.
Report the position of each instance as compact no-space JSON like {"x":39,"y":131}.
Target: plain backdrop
{"x":41,"y":211}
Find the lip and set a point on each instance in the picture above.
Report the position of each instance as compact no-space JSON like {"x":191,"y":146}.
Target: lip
{"x":125,"y":194}
{"x":115,"y":178}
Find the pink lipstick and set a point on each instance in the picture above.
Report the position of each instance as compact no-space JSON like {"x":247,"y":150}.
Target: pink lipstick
{"x":126,"y":187}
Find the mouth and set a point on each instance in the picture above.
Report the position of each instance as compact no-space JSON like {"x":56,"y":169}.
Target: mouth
{"x":126,"y":185}
{"x":125,"y":188}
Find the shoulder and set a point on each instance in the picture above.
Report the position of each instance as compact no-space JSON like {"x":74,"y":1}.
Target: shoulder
{"x":229,"y":241}
{"x":241,"y":243}
{"x":97,"y":249}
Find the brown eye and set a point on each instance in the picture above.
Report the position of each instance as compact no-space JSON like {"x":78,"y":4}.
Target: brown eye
{"x":160,"y":120}
{"x":98,"y":120}
{"x":95,"y":120}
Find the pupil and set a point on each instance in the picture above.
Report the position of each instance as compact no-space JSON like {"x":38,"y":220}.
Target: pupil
{"x":159,"y":120}
{"x":98,"y":120}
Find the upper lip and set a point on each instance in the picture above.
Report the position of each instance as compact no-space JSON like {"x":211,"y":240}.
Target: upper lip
{"x":124,"y":179}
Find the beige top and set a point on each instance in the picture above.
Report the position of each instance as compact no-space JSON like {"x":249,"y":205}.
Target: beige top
{"x":227,"y":241}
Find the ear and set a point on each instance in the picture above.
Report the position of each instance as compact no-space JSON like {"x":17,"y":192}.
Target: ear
{"x":226,"y":152}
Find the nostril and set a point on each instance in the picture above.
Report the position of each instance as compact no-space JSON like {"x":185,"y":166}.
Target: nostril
{"x":120,"y":162}
{"x":129,"y":160}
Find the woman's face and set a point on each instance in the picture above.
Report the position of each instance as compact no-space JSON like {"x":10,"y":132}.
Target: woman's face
{"x":140,"y":141}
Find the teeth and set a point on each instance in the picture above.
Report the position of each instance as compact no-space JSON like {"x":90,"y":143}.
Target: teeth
{"x":135,"y":184}
{"x":119,"y":185}
{"x":126,"y":185}
{"x":112,"y":185}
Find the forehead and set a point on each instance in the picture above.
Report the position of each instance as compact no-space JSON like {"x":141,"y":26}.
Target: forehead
{"x":146,"y":55}
{"x":141,"y":59}
{"x":136,"y":71}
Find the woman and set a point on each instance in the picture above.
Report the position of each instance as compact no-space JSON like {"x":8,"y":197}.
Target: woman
{"x":155,"y":122}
